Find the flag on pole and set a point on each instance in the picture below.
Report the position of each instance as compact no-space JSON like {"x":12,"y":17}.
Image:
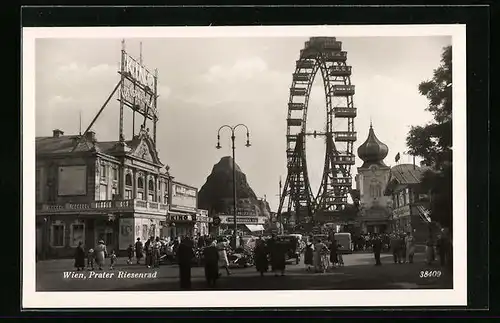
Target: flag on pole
{"x":398,"y":157}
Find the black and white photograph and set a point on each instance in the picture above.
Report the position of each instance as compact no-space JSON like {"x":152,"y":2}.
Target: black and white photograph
{"x":241,"y":166}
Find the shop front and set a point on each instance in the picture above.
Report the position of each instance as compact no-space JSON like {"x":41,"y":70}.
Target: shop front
{"x":181,"y":222}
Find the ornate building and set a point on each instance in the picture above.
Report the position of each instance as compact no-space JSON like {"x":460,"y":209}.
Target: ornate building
{"x":117,"y":191}
{"x":371,"y":181}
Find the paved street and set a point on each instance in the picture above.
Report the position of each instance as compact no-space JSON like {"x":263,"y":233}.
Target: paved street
{"x":359,"y":272}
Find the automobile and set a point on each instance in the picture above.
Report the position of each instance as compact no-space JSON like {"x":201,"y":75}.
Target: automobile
{"x":293,"y":246}
{"x":344,"y":241}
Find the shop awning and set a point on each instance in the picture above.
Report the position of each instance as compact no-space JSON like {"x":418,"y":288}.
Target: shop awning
{"x":255,"y":227}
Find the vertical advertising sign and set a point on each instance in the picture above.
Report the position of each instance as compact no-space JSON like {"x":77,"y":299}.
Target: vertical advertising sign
{"x":139,"y":87}
{"x":126,"y":236}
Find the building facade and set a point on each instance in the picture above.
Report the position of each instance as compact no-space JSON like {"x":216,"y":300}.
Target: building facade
{"x":89,"y":190}
{"x":183,"y":217}
{"x":371,"y":181}
{"x":409,"y":203}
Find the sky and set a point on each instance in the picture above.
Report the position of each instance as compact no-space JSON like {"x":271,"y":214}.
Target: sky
{"x":205,"y":83}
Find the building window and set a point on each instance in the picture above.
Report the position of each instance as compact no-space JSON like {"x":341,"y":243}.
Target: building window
{"x":145,"y":232}
{"x":140,"y":195}
{"x":113,"y":192}
{"x":57,"y":236}
{"x":140,"y":183}
{"x":128,"y":180}
{"x":115,"y":174}
{"x":103,"y":192}
{"x":165,"y":198}
{"x":103,"y":172}
{"x":77,"y":234}
{"x":151,"y":190}
{"x":128,"y":194}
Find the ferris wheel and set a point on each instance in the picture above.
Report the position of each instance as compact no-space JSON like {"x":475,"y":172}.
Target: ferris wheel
{"x":320,"y":55}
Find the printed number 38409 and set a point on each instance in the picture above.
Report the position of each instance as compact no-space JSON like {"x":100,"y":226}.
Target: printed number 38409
{"x":430,"y":273}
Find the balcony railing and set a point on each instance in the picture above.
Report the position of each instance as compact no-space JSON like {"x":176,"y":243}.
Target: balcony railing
{"x":105,"y":206}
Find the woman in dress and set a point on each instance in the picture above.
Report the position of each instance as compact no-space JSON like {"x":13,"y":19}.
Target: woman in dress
{"x":100,"y":253}
{"x":333,"y":253}
{"x":261,"y":261}
{"x":223,"y":261}
{"x":319,"y":250}
{"x":429,"y":251}
{"x":410,"y":248}
{"x":79,"y":257}
{"x":309,"y":254}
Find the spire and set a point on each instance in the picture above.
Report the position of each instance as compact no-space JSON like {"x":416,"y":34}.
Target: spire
{"x":372,"y":151}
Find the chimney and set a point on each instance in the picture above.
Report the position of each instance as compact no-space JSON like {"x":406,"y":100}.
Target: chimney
{"x":90,"y":136}
{"x":56,"y":133}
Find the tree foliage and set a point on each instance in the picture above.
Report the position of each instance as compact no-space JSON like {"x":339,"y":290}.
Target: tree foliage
{"x":433,"y":141}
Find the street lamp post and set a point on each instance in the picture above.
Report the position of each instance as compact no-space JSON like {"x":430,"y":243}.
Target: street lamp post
{"x":233,"y":137}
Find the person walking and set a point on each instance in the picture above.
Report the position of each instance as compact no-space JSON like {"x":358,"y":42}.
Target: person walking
{"x":429,"y":251}
{"x":309,"y":254}
{"x":410,"y":247}
{"x":156,"y":252}
{"x":377,"y":249}
{"x":185,"y":258}
{"x":100,"y":254}
{"x":139,"y":250}
{"x":223,"y":261}
{"x":261,"y":261}
{"x":395,"y":248}
{"x":334,"y":252}
{"x":211,"y":263}
{"x":320,"y":251}
{"x":278,"y":257}
{"x":79,"y":257}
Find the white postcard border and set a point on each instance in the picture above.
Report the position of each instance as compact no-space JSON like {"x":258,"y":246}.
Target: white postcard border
{"x":261,"y":299}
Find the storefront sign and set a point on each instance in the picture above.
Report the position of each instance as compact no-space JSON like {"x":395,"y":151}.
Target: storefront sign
{"x":181,"y":208}
{"x":179,"y":217}
{"x":401,"y":212}
{"x":126,"y":234}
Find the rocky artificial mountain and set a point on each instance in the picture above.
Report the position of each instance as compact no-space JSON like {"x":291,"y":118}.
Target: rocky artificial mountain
{"x":217,"y":193}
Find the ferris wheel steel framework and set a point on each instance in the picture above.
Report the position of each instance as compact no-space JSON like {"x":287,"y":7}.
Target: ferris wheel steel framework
{"x":323,"y":55}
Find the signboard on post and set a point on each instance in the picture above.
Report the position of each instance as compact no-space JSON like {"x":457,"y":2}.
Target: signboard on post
{"x":139,"y":87}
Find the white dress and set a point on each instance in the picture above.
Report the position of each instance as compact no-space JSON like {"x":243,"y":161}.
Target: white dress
{"x":223,"y":261}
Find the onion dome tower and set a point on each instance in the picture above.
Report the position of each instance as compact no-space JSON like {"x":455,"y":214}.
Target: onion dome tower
{"x":372,"y":151}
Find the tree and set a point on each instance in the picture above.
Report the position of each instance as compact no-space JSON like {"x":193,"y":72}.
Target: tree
{"x":433,"y":141}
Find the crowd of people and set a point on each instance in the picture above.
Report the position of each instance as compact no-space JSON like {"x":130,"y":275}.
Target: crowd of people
{"x":320,"y":253}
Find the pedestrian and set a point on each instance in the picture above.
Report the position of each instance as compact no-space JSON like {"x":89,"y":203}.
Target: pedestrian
{"x":442,"y":247}
{"x":223,"y":261}
{"x":79,"y":257}
{"x":333,"y":253}
{"x":139,"y":248}
{"x":130,"y":253}
{"x":429,"y":251}
{"x":410,"y":247}
{"x":309,"y":254}
{"x":395,"y":248}
{"x":90,"y":259}
{"x":320,"y":252}
{"x":211,"y":263}
{"x":377,"y":249}
{"x":149,"y":251}
{"x":156,"y":252}
{"x":402,"y":248}
{"x":277,"y":251}
{"x":100,"y":254}
{"x":261,"y":261}
{"x":113,"y":260}
{"x":185,"y":258}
